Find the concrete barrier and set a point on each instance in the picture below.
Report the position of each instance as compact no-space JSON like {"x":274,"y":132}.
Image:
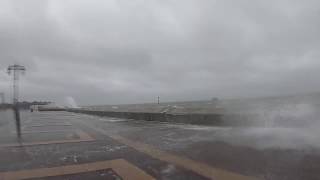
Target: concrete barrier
{"x":196,"y":119}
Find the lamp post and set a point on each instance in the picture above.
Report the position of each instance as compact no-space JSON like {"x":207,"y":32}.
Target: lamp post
{"x":16,"y":70}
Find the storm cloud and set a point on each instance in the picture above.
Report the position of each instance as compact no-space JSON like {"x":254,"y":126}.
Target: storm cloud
{"x":131,"y":51}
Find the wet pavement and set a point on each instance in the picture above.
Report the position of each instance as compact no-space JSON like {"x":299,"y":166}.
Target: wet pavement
{"x":75,"y":146}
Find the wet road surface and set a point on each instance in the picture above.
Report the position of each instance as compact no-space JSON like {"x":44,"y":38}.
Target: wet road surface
{"x":63,"y":145}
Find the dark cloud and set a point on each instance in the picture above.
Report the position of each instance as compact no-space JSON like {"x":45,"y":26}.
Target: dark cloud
{"x":107,"y":52}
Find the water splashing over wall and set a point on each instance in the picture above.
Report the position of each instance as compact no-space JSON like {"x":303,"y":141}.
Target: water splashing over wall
{"x":71,"y":102}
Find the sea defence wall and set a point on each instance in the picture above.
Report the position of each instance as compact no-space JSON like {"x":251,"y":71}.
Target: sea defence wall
{"x":196,"y":119}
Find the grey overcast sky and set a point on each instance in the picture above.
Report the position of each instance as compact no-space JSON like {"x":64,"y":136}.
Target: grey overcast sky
{"x":131,"y":51}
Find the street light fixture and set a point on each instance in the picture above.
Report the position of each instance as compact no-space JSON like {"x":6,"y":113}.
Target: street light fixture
{"x":16,"y":70}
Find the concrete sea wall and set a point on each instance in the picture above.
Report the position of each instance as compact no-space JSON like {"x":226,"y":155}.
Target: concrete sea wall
{"x":196,"y":119}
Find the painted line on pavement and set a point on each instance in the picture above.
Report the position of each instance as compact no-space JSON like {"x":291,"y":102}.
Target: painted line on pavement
{"x":46,"y":125}
{"x":50,"y":131}
{"x":122,"y":167}
{"x":83,"y":137}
